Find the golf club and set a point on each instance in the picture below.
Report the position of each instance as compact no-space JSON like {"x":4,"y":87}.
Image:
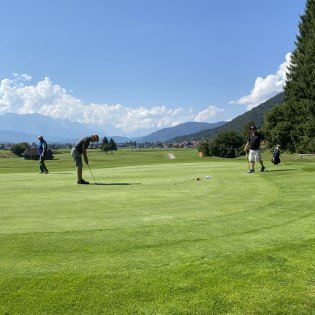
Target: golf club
{"x":93,"y":176}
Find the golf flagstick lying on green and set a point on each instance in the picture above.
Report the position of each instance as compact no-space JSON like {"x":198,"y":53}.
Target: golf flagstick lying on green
{"x":95,"y":183}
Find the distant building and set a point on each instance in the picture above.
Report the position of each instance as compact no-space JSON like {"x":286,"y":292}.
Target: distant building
{"x":31,"y":153}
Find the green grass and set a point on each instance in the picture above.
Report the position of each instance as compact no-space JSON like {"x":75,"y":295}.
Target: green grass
{"x":139,"y":244}
{"x":7,"y":154}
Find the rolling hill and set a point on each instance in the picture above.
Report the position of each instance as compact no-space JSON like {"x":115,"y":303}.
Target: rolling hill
{"x":255,"y":115}
{"x":179,"y":130}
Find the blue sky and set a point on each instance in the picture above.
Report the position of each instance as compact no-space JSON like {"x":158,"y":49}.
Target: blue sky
{"x":137,"y":66}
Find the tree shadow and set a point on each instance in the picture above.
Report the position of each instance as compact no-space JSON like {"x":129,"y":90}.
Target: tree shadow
{"x":285,"y":170}
{"x":116,"y":184}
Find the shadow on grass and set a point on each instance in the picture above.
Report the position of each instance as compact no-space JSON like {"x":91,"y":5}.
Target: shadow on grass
{"x":285,"y":170}
{"x":116,"y":184}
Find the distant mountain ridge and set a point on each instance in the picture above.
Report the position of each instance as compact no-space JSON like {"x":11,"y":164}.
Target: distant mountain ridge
{"x":256,"y":115}
{"x":26,"y":128}
{"x":179,"y":130}
{"x":11,"y":136}
{"x":37,"y":124}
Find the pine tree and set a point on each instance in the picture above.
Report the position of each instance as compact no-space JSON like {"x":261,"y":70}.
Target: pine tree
{"x":105,"y":145}
{"x":112,"y":146}
{"x":292,"y":124}
{"x":299,"y":91}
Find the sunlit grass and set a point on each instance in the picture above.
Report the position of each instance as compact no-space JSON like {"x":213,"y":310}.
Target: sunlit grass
{"x":237,"y":243}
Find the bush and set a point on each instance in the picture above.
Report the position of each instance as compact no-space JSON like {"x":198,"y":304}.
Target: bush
{"x":228,"y":144}
{"x":19,"y":148}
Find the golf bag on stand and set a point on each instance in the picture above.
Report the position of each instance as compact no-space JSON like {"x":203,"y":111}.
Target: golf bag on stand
{"x":276,"y":155}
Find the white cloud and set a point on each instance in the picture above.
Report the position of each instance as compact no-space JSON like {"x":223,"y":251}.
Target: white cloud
{"x":22,"y":77}
{"x":46,"y":98}
{"x":206,"y":114}
{"x":265,"y":88}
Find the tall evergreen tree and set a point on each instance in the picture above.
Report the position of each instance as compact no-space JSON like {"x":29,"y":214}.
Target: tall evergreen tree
{"x":299,"y":91}
{"x":112,"y":146}
{"x":292,"y":124}
{"x":105,"y":145}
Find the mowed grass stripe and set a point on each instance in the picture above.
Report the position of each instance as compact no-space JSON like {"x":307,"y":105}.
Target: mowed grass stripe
{"x":151,"y":270}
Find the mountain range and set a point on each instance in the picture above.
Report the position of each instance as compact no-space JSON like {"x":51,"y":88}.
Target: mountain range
{"x":16,"y":128}
{"x":26,"y":128}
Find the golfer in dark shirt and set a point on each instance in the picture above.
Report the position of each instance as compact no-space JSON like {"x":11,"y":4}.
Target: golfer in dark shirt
{"x":77,"y":151}
{"x":255,"y":141}
{"x":42,"y":152}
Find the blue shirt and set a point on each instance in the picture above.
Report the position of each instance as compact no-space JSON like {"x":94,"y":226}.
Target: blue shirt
{"x":42,"y":149}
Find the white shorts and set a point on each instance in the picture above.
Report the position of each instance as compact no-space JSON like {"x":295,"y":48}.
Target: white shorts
{"x":254,"y":155}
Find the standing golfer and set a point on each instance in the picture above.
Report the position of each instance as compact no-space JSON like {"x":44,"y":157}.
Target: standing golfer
{"x":254,"y":144}
{"x":78,"y":150}
{"x":42,"y":152}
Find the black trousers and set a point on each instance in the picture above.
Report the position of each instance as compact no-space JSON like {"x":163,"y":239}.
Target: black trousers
{"x":42,"y":165}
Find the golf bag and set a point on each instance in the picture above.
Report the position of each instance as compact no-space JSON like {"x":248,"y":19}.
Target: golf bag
{"x":276,"y":155}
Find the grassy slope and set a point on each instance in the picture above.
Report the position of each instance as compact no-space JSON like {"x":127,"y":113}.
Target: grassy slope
{"x":7,"y":154}
{"x":141,"y":244}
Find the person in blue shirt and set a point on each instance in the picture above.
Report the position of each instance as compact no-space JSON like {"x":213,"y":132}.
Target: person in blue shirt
{"x":42,"y":152}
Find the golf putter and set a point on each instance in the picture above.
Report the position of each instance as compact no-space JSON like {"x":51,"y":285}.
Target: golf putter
{"x":95,"y":183}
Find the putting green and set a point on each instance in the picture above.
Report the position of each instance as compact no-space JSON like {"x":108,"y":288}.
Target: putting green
{"x":237,"y":243}
{"x":129,"y":196}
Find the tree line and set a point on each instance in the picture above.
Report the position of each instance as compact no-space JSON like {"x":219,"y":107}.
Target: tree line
{"x":106,"y":146}
{"x":227,"y":144}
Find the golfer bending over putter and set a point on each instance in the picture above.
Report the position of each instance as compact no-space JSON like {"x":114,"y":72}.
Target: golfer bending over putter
{"x":78,"y":150}
{"x":254,"y":144}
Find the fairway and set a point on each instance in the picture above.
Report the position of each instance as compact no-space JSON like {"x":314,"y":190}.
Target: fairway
{"x":151,"y":239}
